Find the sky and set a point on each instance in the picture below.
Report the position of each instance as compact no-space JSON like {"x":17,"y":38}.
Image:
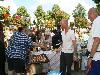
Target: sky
{"x":31,"y":5}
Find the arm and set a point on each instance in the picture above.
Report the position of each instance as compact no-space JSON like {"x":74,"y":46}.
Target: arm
{"x":75,"y":45}
{"x":75,"y":49}
{"x":74,"y":41}
{"x":95,"y":46}
{"x":96,"y":42}
{"x":93,"y":51}
{"x":96,"y":37}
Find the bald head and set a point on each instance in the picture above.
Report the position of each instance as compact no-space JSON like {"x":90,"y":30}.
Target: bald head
{"x":93,"y":10}
{"x":64,"y":23}
{"x":92,"y":13}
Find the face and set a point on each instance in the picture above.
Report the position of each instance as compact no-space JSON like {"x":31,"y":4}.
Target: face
{"x":91,"y":15}
{"x":63,"y":24}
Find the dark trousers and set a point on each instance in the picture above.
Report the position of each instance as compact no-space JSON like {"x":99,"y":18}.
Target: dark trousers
{"x":66,"y":60}
{"x":2,"y":62}
{"x":2,"y":68}
{"x":76,"y":65}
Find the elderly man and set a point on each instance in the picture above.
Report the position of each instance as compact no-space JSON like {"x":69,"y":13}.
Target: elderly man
{"x":68,"y":48}
{"x":94,"y":43}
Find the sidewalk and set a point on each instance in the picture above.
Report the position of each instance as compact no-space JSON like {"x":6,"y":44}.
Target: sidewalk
{"x":78,"y":73}
{"x":73,"y":72}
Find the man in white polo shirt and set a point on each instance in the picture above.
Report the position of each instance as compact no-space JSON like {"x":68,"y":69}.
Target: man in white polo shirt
{"x":94,"y":43}
{"x":68,"y":48}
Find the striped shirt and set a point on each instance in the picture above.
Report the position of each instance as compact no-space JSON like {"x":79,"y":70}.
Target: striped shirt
{"x":18,"y":46}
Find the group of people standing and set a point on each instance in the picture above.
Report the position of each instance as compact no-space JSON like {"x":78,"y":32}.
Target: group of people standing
{"x":20,"y":45}
{"x":69,"y":46}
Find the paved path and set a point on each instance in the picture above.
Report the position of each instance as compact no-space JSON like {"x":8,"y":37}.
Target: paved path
{"x":78,"y":73}
{"x":73,"y":72}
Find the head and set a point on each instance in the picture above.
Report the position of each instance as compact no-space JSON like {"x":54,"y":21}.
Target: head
{"x":55,"y":31}
{"x":1,"y":33}
{"x":20,"y":29}
{"x":1,"y":26}
{"x":92,"y":14}
{"x":64,"y":24}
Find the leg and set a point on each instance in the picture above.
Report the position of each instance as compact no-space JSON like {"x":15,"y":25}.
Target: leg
{"x":18,"y":74}
{"x":19,"y":66}
{"x":2,"y":61}
{"x":69,"y":57}
{"x":69,"y":69}
{"x":2,"y":67}
{"x":10,"y":66}
{"x":10,"y":72}
{"x":76,"y":65}
{"x":62,"y":64}
{"x":95,"y":69}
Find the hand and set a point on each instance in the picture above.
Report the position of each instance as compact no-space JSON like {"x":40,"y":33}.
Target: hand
{"x":58,"y":50}
{"x":89,"y":63}
{"x":35,"y":44}
{"x":75,"y":58}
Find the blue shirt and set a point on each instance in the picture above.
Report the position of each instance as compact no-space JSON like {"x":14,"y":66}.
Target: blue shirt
{"x":18,"y":46}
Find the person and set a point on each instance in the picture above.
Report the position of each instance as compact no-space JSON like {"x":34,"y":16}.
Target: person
{"x":10,"y":33}
{"x":94,"y":43}
{"x":68,"y":48}
{"x":2,"y":51}
{"x":17,"y":50}
{"x":46,"y":40}
{"x":56,"y":39}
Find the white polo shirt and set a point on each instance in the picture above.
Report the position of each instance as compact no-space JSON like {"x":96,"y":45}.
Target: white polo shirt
{"x":67,"y":45}
{"x":95,"y":32}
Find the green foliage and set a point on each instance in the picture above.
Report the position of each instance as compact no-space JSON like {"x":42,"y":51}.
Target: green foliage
{"x":79,"y":11}
{"x":79,"y":15}
{"x":22,"y":11}
{"x":50,"y":18}
{"x":98,"y":8}
{"x":21,"y":17}
{"x":5,"y":15}
{"x":97,"y":5}
{"x":97,"y":1}
{"x":40,"y":16}
{"x":55,"y":8}
{"x":58,"y":14}
{"x":3,"y":11}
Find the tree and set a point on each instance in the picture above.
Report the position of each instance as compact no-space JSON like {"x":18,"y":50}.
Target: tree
{"x":22,"y":11}
{"x":79,"y":15}
{"x":51,"y":18}
{"x":21,"y":17}
{"x":4,"y":12}
{"x":97,"y":5}
{"x":5,"y":15}
{"x":97,"y":1}
{"x":56,"y":14}
{"x":40,"y":16}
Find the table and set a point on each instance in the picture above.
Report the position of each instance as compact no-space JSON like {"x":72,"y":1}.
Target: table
{"x":54,"y":63}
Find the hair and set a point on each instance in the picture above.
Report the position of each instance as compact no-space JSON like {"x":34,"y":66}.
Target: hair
{"x":20,"y":29}
{"x":94,"y":10}
{"x":1,"y":33}
{"x":1,"y":26}
{"x":55,"y":31}
{"x":64,"y":21}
